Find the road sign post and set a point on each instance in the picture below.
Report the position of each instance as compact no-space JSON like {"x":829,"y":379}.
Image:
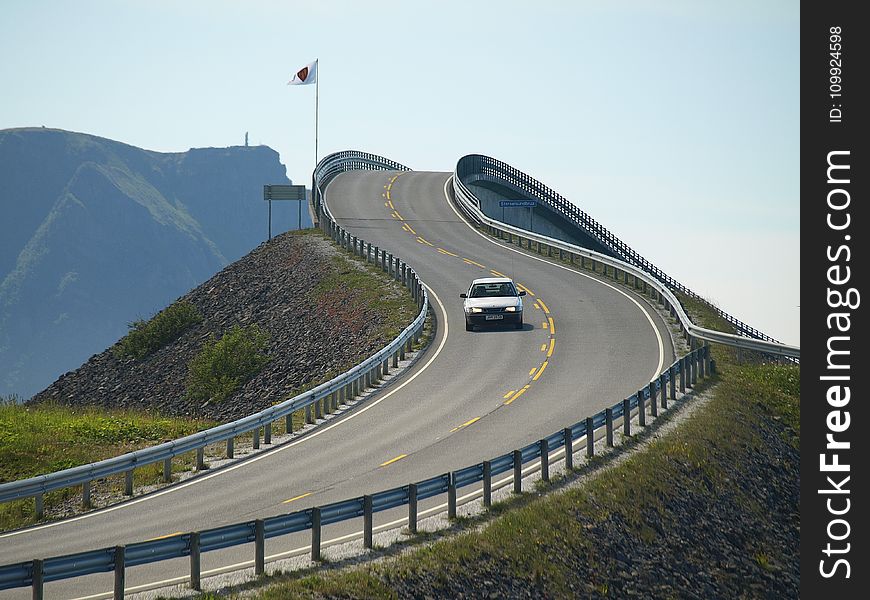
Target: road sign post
{"x":284,"y":192}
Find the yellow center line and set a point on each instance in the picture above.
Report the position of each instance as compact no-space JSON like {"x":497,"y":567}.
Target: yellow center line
{"x":397,"y":215}
{"x":299,"y":497}
{"x":525,"y":289}
{"x":517,"y":394}
{"x":536,"y":305}
{"x":533,"y":370}
{"x":466,"y":424}
{"x":543,"y":366}
{"x":544,"y":306}
{"x":496,"y":273}
{"x":408,"y":228}
{"x":552,"y":345}
{"x":552,"y":326}
{"x":508,"y":394}
{"x":545,"y":325}
{"x":392,"y":460}
{"x":471,"y":262}
{"x":543,"y":347}
{"x":388,"y":194}
{"x":443,"y":251}
{"x":163,"y":537}
{"x":422,"y":241}
{"x":390,"y":204}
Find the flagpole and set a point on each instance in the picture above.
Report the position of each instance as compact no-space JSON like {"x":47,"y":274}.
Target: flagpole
{"x":316,"y":110}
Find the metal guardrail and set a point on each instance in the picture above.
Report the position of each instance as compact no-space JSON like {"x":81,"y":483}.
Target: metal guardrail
{"x":477,"y":167}
{"x":35,"y":573}
{"x":323,"y":398}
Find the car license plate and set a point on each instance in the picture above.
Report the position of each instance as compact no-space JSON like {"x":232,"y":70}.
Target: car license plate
{"x":494,"y":317}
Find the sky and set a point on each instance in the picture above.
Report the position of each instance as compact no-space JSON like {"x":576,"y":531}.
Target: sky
{"x":673,"y":123}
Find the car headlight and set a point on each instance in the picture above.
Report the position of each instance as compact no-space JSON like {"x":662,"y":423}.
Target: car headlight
{"x":476,"y":310}
{"x":511,"y":309}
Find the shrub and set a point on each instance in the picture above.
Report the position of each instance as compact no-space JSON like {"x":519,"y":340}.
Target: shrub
{"x":166,"y":326}
{"x":224,"y":364}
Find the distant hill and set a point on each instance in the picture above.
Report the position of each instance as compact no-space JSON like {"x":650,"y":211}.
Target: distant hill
{"x":95,"y":233}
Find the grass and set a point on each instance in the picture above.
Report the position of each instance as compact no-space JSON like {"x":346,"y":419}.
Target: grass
{"x":526,"y":539}
{"x":44,"y":438}
{"x":146,"y":337}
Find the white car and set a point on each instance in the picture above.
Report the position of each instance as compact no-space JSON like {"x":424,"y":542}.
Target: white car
{"x":494,"y":300}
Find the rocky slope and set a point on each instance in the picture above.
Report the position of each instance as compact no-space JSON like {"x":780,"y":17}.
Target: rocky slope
{"x":280,"y":287}
{"x":95,"y":233}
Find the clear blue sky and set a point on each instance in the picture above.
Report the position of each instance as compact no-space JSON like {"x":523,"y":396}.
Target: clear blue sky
{"x":674,"y":123}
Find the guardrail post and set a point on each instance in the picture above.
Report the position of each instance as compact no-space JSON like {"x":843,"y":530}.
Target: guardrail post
{"x":626,"y":417}
{"x":86,"y":494}
{"x":231,"y":446}
{"x":318,"y":409}
{"x":694,"y":367}
{"x":608,"y":424}
{"x":40,"y":506}
{"x":545,"y":460}
{"x":259,"y":547}
{"x":368,"y":522}
{"x":267,"y":433}
{"x":167,"y":470}
{"x":308,"y":418}
{"x":641,"y":408}
{"x":195,"y":570}
{"x":590,"y":437}
{"x":119,"y":573}
{"x":315,"y":534}
{"x":412,"y":508}
{"x":396,"y":360}
{"x":37,"y":575}
{"x":451,"y":496}
{"x":487,"y":484}
{"x":672,"y":375}
{"x":128,"y":483}
{"x":683,"y":368}
{"x":568,"y":435}
{"x":256,"y":438}
{"x":653,"y":399}
{"x":518,"y":472}
{"x":200,"y":459}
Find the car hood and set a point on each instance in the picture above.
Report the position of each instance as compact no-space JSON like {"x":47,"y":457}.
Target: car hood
{"x":493,"y":302}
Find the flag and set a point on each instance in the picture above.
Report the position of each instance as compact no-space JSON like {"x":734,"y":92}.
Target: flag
{"x":305,"y":75}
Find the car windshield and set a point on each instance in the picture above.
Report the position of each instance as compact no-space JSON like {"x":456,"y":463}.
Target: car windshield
{"x":492,"y":290}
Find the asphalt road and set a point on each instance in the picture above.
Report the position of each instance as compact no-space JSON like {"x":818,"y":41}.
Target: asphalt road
{"x":474,"y":395}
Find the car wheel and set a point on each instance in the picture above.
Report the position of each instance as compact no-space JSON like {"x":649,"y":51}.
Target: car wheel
{"x":469,"y":326}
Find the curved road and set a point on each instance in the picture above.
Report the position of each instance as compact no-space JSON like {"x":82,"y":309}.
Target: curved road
{"x":472,"y":396}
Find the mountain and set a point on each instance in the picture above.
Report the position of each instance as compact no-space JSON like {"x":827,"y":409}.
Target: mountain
{"x":95,"y":233}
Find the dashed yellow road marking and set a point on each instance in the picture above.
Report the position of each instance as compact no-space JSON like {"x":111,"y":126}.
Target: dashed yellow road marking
{"x":552,"y":326}
{"x":408,"y":228}
{"x":537,"y":306}
{"x":397,"y":215}
{"x":532,"y":371}
{"x":422,"y":241}
{"x":466,"y":424}
{"x":525,"y":289}
{"x":392,"y":460}
{"x":443,"y":251}
{"x":552,"y":345}
{"x":506,"y":396}
{"x":390,"y":204}
{"x":163,"y":537}
{"x":544,"y":306}
{"x":299,"y":497}
{"x":539,"y":373}
{"x":517,"y":394}
{"x":468,"y":261}
{"x":543,"y":347}
{"x":545,"y":325}
{"x":496,"y":273}
{"x":388,"y":194}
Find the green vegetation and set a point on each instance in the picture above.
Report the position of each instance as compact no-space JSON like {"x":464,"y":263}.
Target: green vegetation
{"x":527,"y":537}
{"x":37,"y":439}
{"x":147,"y":336}
{"x":224,"y":364}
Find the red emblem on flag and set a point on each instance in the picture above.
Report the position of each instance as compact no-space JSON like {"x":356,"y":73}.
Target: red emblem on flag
{"x":303,"y":74}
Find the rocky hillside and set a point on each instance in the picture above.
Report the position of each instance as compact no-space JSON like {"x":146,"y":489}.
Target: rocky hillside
{"x":286,"y":287}
{"x":95,"y":234}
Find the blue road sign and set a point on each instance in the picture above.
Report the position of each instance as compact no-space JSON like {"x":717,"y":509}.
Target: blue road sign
{"x":515,"y":203}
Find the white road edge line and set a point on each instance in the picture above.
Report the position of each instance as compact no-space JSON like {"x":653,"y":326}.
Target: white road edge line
{"x":265,"y":454}
{"x":649,"y":318}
